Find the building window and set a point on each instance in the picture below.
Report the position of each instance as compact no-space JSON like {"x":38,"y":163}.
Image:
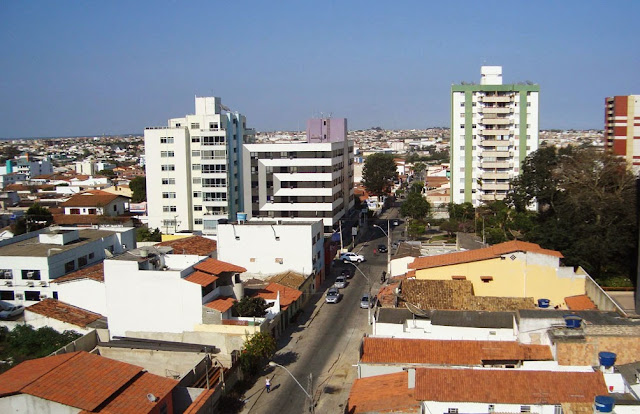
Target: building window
{"x":197,"y":194}
{"x":169,"y":209}
{"x":196,"y":180}
{"x":82,"y":261}
{"x":168,"y":181}
{"x":195,"y":139}
{"x":197,"y":221}
{"x":213,"y":140}
{"x":168,"y":167}
{"x":32,"y":295}
{"x":6,"y":274}
{"x":557,"y":409}
{"x":195,"y":153}
{"x":195,"y":167}
{"x":166,"y":140}
{"x":214,"y":168}
{"x":7,"y":295}
{"x":70,"y":266}
{"x":197,"y":208}
{"x":30,"y":274}
{"x":167,"y":154}
{"x":195,"y":125}
{"x":169,"y":195}
{"x":525,"y":408}
{"x":486,"y":279}
{"x":452,"y":411}
{"x":491,"y":409}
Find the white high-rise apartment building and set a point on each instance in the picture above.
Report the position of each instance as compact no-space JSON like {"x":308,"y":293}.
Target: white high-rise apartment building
{"x":302,"y":181}
{"x":493,"y":128}
{"x":193,"y":168}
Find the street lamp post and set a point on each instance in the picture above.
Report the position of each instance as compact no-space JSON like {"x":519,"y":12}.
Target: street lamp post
{"x":369,"y":287}
{"x":311,"y":408}
{"x":388,"y":234}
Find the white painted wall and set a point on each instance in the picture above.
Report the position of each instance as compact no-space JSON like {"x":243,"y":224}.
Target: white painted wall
{"x":40,"y":321}
{"x":424,"y":329}
{"x":87,"y":294}
{"x":24,"y":403}
{"x":401,"y":266}
{"x":433,"y":407}
{"x":254,"y":247}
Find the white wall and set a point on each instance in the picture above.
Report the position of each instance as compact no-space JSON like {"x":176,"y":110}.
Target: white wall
{"x":87,"y":294}
{"x":433,"y":407}
{"x":150,"y":300}
{"x":257,"y":249}
{"x":401,"y":266}
{"x":424,"y":329}
{"x":24,"y":403}
{"x":40,"y":321}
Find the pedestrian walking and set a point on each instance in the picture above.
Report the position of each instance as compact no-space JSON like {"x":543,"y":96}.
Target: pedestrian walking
{"x":267,"y":384}
{"x":375,"y":251}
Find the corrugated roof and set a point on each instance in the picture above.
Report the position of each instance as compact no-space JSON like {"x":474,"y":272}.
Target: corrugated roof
{"x":448,"y":352}
{"x":197,"y":245}
{"x":216,"y":267}
{"x":201,"y":278}
{"x":382,"y":394}
{"x":486,"y":253}
{"x":53,"y":308}
{"x":508,"y":386}
{"x":221,"y":303}
{"x":94,"y":272}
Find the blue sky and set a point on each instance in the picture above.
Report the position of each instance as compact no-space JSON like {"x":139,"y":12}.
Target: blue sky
{"x":88,"y":68}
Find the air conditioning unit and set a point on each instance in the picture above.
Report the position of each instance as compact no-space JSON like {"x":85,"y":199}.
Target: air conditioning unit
{"x":30,"y":284}
{"x":8,"y":283}
{"x":30,"y":275}
{"x":43,"y":283}
{"x":19,"y":296}
{"x":43,"y":296}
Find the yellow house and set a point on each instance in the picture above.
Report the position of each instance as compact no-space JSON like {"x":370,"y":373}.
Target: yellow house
{"x":511,"y":269}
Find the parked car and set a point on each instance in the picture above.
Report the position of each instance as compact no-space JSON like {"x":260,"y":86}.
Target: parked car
{"x":396,"y":223}
{"x":341,"y":282}
{"x":346,"y":274}
{"x":11,"y":311}
{"x":366,"y":301}
{"x":382,"y":248}
{"x":333,"y":296}
{"x":351,"y":257}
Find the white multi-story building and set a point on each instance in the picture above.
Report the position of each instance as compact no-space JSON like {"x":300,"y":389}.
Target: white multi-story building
{"x":29,"y":262}
{"x":193,"y":168}
{"x":493,"y":128}
{"x":301,"y":181}
{"x":27,"y":166}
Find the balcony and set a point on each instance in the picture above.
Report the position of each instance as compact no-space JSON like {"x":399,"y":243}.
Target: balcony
{"x":496,"y":121}
{"x":492,"y":197}
{"x":493,"y":143}
{"x":495,"y":186}
{"x":495,"y":110}
{"x":496,"y":154}
{"x":495,"y":176}
{"x":489,"y":132}
{"x":496,"y":99}
{"x":496,"y":164}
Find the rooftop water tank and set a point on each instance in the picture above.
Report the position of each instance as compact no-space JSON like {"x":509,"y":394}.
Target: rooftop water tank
{"x":604,"y":404}
{"x":543,"y":303}
{"x":607,"y":359}
{"x":573,"y":321}
{"x":241,"y":217}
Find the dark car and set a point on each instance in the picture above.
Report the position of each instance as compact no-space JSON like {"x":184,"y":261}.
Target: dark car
{"x":382,"y":248}
{"x":346,"y":273}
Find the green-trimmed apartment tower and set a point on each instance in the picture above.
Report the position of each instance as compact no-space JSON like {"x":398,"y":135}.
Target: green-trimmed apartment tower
{"x":493,"y":128}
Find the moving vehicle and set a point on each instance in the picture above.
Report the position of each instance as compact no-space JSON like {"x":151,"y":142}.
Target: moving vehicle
{"x":11,"y":311}
{"x":351,"y":257}
{"x":333,"y":296}
{"x":382,"y":248}
{"x":366,"y":301}
{"x":341,"y":282}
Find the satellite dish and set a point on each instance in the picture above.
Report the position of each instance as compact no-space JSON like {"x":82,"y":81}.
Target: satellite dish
{"x":152,"y":397}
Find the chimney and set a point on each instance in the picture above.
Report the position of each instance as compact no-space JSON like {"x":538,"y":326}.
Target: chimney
{"x":412,"y":378}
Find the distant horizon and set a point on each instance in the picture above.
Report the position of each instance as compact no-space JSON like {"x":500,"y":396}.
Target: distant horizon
{"x":270,"y":131}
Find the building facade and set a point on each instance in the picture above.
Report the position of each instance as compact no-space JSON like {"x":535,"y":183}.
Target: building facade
{"x":302,"y":181}
{"x":622,"y":128}
{"x":493,"y":128}
{"x":193,"y":168}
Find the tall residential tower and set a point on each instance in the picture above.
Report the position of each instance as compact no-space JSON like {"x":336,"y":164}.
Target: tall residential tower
{"x":194,"y":168}
{"x":493,"y":128}
{"x":622,"y":128}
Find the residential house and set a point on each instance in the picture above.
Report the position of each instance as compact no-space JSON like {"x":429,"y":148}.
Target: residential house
{"x":96,"y":202}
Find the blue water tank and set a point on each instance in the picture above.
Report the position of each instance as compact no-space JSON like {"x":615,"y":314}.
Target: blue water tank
{"x":573,"y":321}
{"x":543,"y":303}
{"x":607,"y":359}
{"x":604,"y":403}
{"x":241,"y":216}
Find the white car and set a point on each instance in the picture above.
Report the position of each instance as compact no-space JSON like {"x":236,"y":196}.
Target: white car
{"x":11,"y":311}
{"x":352,"y":257}
{"x":333,"y":296}
{"x":341,"y":282}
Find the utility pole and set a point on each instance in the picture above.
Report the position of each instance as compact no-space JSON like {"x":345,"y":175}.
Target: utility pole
{"x":310,"y":385}
{"x":388,"y":248}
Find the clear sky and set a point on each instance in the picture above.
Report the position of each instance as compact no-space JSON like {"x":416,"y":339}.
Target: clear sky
{"x":92,"y":67}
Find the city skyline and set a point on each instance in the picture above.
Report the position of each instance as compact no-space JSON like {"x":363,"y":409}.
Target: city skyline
{"x":90,"y":69}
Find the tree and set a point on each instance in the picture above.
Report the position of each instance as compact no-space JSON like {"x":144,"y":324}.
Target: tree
{"x":378,"y":173}
{"x":37,"y":217}
{"x":419,"y":169}
{"x":415,"y":206}
{"x":587,"y":208}
{"x":107,"y":173}
{"x":260,"y":345}
{"x":24,"y":342}
{"x":139,"y":188}
{"x":251,"y":306}
{"x":144,"y":235}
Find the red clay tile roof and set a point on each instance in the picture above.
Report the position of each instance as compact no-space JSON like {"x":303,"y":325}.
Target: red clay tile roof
{"x":221,"y":303}
{"x":508,"y":386}
{"x":580,"y":302}
{"x":201,"y":278}
{"x":94,"y":272}
{"x":197,"y":245}
{"x":216,"y":267}
{"x":53,"y":308}
{"x":387,"y":296}
{"x":448,"y":352}
{"x":133,"y":399}
{"x":77,"y":379}
{"x":91,"y":198}
{"x":200,"y":401}
{"x":382,"y":393}
{"x":492,"y":252}
{"x":287,"y":294}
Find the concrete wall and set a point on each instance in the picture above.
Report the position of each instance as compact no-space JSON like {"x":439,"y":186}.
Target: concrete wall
{"x":39,"y":321}
{"x":422,"y":329}
{"x":528,"y":275}
{"x":24,"y":403}
{"x":87,"y":294}
{"x":400,"y":266}
{"x":162,"y":363}
{"x":601,"y":299}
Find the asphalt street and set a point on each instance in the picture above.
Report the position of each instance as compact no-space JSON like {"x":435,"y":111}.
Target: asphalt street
{"x":326,"y":345}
